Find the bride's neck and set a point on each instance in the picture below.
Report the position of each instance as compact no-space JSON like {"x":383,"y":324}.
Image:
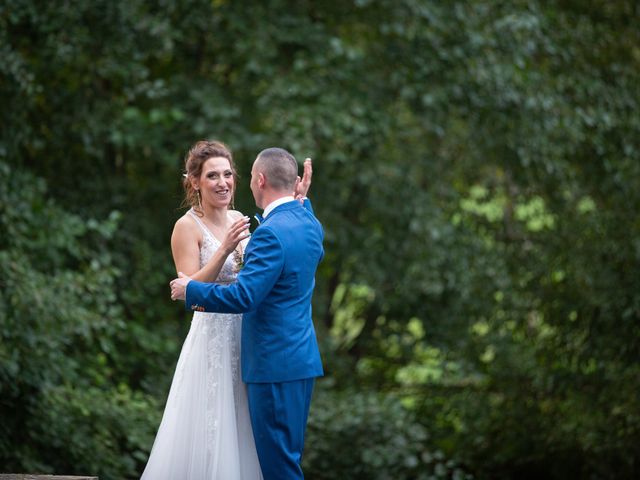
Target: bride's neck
{"x":216,"y":215}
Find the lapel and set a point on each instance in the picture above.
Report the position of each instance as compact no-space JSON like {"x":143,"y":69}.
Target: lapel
{"x":280,"y":208}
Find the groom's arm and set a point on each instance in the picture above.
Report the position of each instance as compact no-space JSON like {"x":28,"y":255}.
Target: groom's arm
{"x":263,"y":264}
{"x":303,"y":184}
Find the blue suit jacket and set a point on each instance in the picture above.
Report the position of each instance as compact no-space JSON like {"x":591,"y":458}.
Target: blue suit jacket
{"x":273,"y":290}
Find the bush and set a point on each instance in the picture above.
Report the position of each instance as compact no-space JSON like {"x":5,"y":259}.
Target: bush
{"x":63,"y":410}
{"x":358,"y":435}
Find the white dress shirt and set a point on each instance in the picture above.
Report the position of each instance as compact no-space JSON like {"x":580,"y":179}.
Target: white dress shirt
{"x":276,"y":203}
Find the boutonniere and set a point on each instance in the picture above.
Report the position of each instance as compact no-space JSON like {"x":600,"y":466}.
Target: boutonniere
{"x":238,"y":260}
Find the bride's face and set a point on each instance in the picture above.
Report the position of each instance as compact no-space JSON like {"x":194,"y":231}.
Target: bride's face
{"x":216,"y":182}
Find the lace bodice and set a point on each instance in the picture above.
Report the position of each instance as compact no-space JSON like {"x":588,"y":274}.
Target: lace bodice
{"x":209,"y":246}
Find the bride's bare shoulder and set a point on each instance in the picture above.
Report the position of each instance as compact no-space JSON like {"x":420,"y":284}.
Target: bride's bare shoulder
{"x":186,"y":226}
{"x":235,"y":214}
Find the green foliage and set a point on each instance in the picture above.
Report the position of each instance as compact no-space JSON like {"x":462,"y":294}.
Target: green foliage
{"x":60,"y":320}
{"x":87,"y":430}
{"x":359,"y":435}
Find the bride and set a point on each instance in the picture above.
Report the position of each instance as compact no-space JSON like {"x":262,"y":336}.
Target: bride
{"x":205,"y":433}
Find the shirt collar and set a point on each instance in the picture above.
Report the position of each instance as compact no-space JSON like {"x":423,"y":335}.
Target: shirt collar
{"x":276,"y":203}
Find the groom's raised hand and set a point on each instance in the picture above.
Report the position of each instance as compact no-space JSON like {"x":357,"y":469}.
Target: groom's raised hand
{"x":302,"y":185}
{"x":179,"y":286}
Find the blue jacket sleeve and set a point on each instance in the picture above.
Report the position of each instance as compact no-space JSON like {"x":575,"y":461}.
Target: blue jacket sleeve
{"x":307,"y":204}
{"x":264,"y":260}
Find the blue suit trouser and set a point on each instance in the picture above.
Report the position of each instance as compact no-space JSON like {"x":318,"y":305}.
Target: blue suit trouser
{"x":279,"y":414}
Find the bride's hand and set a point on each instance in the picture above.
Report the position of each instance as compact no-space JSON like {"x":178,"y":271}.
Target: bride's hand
{"x":238,"y":231}
{"x":302,"y":186}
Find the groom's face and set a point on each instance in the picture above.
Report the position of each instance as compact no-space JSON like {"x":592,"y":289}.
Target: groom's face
{"x":255,"y":185}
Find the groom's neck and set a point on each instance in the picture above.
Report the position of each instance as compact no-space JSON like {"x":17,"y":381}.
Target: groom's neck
{"x":274,"y":195}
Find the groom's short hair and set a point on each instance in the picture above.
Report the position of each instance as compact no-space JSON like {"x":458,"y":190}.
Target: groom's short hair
{"x":279,"y":167}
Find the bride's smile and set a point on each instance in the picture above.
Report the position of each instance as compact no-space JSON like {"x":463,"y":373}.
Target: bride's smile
{"x":217,"y":182}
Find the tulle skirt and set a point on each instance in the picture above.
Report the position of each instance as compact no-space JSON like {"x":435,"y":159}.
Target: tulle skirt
{"x":205,"y":433}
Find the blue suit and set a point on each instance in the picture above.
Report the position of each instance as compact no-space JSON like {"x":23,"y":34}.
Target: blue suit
{"x":280,"y":356}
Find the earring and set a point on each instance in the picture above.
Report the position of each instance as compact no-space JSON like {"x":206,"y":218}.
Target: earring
{"x":199,"y":198}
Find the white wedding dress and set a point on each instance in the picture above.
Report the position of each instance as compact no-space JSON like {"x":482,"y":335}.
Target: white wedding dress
{"x":205,"y":432}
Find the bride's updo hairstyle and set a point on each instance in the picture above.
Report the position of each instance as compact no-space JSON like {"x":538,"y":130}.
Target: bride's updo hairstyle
{"x":197,"y":155}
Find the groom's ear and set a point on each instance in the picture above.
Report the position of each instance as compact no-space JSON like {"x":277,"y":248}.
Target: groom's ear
{"x":295,"y":187}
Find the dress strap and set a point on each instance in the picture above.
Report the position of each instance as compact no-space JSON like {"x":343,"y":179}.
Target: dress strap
{"x":200,"y":223}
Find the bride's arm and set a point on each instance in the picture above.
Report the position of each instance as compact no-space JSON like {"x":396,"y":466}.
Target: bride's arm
{"x":186,"y":249}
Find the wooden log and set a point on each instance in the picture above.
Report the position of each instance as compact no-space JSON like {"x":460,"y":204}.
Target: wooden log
{"x":23,"y":476}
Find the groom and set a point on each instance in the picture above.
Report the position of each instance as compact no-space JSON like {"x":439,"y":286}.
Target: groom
{"x":280,"y":356}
